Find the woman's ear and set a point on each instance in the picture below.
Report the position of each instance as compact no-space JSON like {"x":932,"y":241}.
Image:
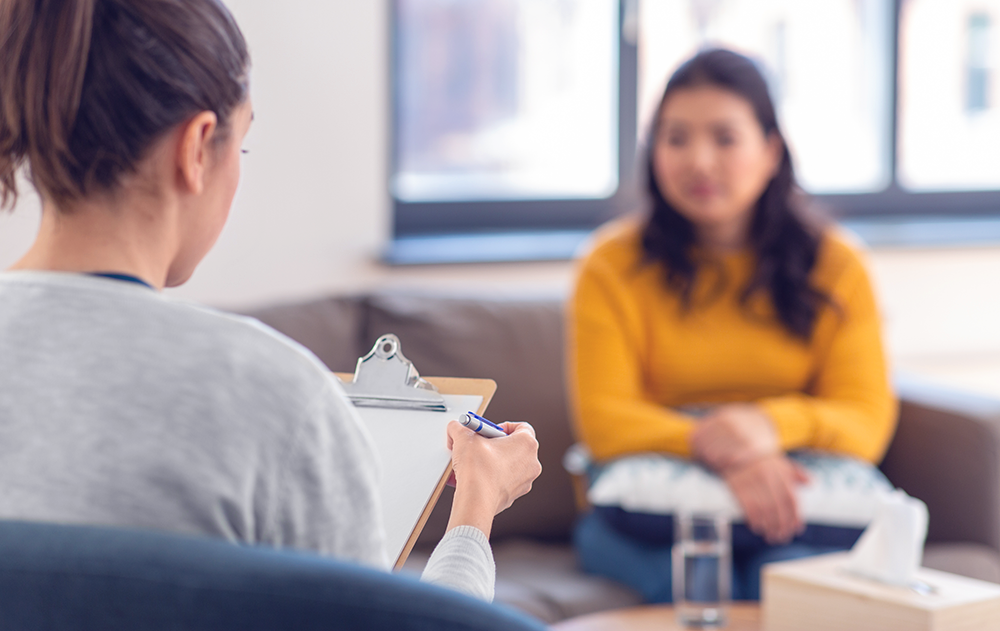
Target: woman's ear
{"x":194,"y":150}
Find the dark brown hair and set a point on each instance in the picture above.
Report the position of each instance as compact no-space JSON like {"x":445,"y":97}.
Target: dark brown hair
{"x":784,"y":240}
{"x":88,"y":85}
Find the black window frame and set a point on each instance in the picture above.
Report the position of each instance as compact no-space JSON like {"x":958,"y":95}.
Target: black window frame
{"x":420,"y":220}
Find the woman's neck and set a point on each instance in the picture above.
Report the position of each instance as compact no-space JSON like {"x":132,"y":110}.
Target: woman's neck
{"x":724,"y":238}
{"x":103,"y":237}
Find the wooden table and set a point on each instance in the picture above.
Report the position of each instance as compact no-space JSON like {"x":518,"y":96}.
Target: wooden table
{"x":655,"y":617}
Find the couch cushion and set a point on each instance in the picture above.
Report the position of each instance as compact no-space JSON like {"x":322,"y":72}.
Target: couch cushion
{"x":518,"y":343}
{"x":545,"y":581}
{"x":967,"y":559}
{"x":330,"y":327}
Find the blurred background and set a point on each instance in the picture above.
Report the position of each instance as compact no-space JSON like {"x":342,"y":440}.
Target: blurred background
{"x":473,"y":144}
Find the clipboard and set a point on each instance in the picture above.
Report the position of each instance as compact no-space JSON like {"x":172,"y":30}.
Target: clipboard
{"x":406,"y":415}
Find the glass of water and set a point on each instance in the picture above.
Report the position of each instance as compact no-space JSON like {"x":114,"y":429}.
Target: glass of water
{"x":702,"y":569}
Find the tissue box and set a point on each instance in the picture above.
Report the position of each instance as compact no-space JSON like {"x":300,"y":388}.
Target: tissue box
{"x":818,"y":594}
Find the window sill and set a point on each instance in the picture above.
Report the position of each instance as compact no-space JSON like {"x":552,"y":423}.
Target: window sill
{"x":562,"y":245}
{"x":496,"y":247}
{"x":930,"y":231}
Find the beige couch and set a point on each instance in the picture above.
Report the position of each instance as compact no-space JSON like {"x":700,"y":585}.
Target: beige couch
{"x":946,"y":450}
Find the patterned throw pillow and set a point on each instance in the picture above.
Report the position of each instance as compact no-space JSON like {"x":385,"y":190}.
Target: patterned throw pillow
{"x":842,"y":491}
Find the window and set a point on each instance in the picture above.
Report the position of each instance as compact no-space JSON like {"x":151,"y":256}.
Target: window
{"x":978,"y":70}
{"x":509,"y":113}
{"x":496,"y":95}
{"x":527,"y":114}
{"x":949,"y":120}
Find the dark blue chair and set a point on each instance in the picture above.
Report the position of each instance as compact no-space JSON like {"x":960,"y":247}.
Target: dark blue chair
{"x":77,"y":578}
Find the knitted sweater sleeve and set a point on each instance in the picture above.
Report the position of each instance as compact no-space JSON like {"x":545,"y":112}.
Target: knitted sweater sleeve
{"x":607,"y":348}
{"x":849,"y":407}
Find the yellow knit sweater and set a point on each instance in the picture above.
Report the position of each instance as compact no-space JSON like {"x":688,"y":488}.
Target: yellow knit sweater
{"x":637,"y":360}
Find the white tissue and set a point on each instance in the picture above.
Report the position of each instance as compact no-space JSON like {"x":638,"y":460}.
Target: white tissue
{"x":891,"y":549}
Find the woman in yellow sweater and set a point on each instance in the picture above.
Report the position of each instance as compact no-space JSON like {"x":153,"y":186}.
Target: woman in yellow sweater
{"x":724,"y":328}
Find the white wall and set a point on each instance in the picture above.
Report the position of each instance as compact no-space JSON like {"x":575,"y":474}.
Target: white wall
{"x":17,"y":229}
{"x":311,"y":213}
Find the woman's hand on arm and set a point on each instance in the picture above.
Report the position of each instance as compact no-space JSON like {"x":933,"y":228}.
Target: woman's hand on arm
{"x":490,"y":473}
{"x":734,"y":435}
{"x":765,"y":489}
{"x":740,"y":442}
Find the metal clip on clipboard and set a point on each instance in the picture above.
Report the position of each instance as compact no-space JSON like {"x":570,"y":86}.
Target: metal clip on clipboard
{"x":385,"y":378}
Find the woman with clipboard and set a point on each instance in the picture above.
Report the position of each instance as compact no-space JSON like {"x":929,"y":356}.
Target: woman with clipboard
{"x":120,"y":406}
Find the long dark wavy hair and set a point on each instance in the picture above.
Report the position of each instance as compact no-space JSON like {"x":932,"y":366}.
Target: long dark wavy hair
{"x":784,"y":240}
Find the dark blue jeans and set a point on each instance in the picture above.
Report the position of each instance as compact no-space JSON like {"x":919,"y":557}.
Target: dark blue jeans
{"x":634,"y":549}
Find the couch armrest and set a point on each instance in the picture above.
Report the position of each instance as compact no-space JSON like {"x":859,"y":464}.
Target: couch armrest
{"x":946,"y":452}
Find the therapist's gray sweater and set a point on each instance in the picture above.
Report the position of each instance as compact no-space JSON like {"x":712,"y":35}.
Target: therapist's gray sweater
{"x":119,"y":406}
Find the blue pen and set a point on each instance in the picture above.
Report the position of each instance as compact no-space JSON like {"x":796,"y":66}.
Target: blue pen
{"x":481,"y":426}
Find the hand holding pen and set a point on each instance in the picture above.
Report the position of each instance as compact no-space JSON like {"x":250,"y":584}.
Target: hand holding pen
{"x":478,"y":424}
{"x":490,"y":474}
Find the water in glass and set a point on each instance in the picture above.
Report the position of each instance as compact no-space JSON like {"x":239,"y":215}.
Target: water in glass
{"x":702,"y":570}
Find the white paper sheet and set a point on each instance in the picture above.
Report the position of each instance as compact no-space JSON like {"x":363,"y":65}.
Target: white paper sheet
{"x":413,"y":449}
